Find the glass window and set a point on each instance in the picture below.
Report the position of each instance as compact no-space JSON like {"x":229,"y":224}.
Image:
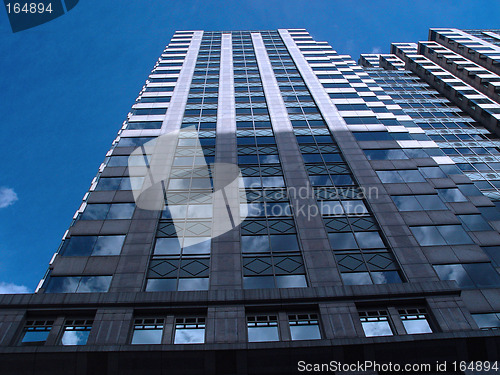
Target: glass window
{"x":108,"y":211}
{"x":356,"y":278}
{"x":35,"y":332}
{"x":400,"y":176}
{"x":77,"y":284}
{"x":93,"y":245}
{"x":494,"y":254}
{"x":193,"y":283}
{"x":76,"y":332}
{"x":342,"y":241}
{"x":147,"y":331}
{"x":418,"y":202}
{"x":474,"y":222}
{"x":487,"y":321}
{"x":291,"y":281}
{"x":161,"y":285}
{"x":432,"y":172}
{"x":134,"y":141}
{"x":375,"y":323}
{"x":469,"y":275}
{"x":415,"y":321}
{"x":369,"y":240}
{"x":385,"y":154}
{"x":258,"y":282}
{"x":251,"y":244}
{"x":79,"y":245}
{"x":441,"y":235}
{"x":483,"y":275}
{"x":451,"y":195}
{"x":284,"y":242}
{"x":262,"y":328}
{"x":189,"y":330}
{"x":304,"y":327}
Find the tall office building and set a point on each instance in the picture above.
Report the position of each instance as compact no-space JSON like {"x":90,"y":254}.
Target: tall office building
{"x":270,"y":206}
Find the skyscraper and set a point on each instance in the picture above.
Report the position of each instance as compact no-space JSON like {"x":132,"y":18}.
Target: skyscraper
{"x":269,"y":205}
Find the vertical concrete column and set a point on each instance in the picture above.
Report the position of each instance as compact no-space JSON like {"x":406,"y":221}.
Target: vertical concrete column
{"x":10,"y":325}
{"x":111,"y":327}
{"x":318,"y":257}
{"x":404,"y":245}
{"x":55,"y":331}
{"x":283,"y":326}
{"x":450,"y":314}
{"x":133,"y":263}
{"x":225,"y":268}
{"x":168,"y":330}
{"x":226,"y":324}
{"x":396,"y":322}
{"x":340,"y":320}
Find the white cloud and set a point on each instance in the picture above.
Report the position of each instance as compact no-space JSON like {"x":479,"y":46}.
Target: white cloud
{"x":7,"y":197}
{"x":376,"y":50}
{"x":9,"y":288}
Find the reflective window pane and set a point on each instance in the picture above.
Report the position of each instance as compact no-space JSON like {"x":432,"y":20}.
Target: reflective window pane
{"x":95,"y":212}
{"x":62,"y":284}
{"x":35,"y":337}
{"x":483,"y":275}
{"x":487,"y":321}
{"x":377,"y":328}
{"x":78,"y":245}
{"x":258,"y":282}
{"x":147,"y":336}
{"x":121,"y":211}
{"x":189,"y":336}
{"x":454,"y":272}
{"x":197,"y":245}
{"x":94,"y":284}
{"x":250,"y":244}
{"x":342,"y":241}
{"x":356,"y":278}
{"x":416,"y":326}
{"x":454,"y":234}
{"x":369,"y":240}
{"x":309,"y":332}
{"x":407,"y":203}
{"x":75,"y":337}
{"x":261,"y":334}
{"x":167,"y":246}
{"x":428,"y":236}
{"x":474,"y":222}
{"x":451,"y":195}
{"x":386,"y":277}
{"x":284,"y":242}
{"x":291,"y":281}
{"x":108,"y":245}
{"x":161,"y":285}
{"x":193,"y":284}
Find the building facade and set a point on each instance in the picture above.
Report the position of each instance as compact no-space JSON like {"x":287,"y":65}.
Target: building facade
{"x":269,"y":205}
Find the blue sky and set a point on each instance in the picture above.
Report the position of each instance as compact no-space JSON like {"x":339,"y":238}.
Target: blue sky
{"x":66,"y":87}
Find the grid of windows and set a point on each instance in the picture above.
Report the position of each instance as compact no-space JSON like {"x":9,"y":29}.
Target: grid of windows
{"x":181,"y":255}
{"x":359,"y":249}
{"x":266,"y":327}
{"x":380,"y":322}
{"x":474,"y":149}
